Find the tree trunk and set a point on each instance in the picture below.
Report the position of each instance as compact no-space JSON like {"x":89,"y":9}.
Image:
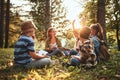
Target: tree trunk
{"x":1,"y":23}
{"x":117,"y":35}
{"x":101,"y":15}
{"x":117,"y":20}
{"x":7,"y":23}
{"x":47,"y":14}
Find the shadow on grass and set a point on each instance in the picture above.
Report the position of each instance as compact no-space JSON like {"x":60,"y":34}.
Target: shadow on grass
{"x":11,"y":73}
{"x":19,"y":72}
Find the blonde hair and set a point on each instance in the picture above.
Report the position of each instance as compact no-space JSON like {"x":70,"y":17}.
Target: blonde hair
{"x":49,"y":30}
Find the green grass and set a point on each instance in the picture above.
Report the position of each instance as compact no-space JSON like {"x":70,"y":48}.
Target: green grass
{"x":109,"y":70}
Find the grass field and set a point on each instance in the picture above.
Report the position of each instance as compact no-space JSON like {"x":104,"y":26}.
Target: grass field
{"x":103,"y":71}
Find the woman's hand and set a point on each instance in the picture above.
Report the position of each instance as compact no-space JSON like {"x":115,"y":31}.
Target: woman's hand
{"x":54,"y":48}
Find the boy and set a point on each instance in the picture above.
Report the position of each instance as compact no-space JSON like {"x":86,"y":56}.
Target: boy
{"x":86,"y":50}
{"x":24,"y":52}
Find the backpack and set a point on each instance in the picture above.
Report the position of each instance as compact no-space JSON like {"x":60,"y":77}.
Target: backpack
{"x":104,"y":53}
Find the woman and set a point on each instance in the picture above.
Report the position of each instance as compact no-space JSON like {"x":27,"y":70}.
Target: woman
{"x":52,"y":44}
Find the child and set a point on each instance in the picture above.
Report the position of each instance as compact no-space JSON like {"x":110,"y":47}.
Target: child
{"x":76,"y":45}
{"x":76,"y":35}
{"x":96,"y":36}
{"x":52,"y":44}
{"x":24,"y":52}
{"x":86,"y":50}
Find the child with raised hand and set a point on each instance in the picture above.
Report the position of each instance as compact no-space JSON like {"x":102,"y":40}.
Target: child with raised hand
{"x":76,"y":45}
{"x":96,"y":36}
{"x":86,"y":50}
{"x":24,"y":51}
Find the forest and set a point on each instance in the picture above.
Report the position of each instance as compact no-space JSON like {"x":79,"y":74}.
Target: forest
{"x":47,"y":13}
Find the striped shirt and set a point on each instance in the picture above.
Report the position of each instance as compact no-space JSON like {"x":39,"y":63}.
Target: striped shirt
{"x":22,"y":47}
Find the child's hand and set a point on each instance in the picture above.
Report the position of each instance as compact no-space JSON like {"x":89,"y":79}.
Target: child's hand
{"x":66,"y":49}
{"x":33,"y":36}
{"x":72,"y":56}
{"x":37,"y":51}
{"x":44,"y":56}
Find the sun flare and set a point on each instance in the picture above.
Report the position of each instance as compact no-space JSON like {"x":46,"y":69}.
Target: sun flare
{"x":73,"y":9}
{"x":77,"y":24}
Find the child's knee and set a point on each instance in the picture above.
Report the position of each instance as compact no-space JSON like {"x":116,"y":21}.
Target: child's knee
{"x":75,"y":61}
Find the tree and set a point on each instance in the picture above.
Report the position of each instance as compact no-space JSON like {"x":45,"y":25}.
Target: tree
{"x":113,"y":18}
{"x":1,"y":23}
{"x":47,"y":14}
{"x":90,"y":12}
{"x":58,"y":14}
{"x":7,"y":23}
{"x":14,"y":26}
{"x":40,"y":13}
{"x":101,"y":15}
{"x":94,"y":11}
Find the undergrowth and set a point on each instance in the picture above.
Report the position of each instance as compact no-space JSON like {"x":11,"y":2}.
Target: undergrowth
{"x":103,"y":71}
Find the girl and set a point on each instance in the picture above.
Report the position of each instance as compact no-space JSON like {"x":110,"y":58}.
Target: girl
{"x":52,"y":43}
{"x":96,"y":36}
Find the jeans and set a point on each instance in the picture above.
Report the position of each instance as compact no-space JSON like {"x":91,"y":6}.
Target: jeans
{"x":36,"y":63}
{"x":40,"y":62}
{"x":74,"y":62}
{"x":97,"y":52}
{"x":71,"y":52}
{"x":55,"y":52}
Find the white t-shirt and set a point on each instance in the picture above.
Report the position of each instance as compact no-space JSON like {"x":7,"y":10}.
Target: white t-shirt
{"x":52,"y":45}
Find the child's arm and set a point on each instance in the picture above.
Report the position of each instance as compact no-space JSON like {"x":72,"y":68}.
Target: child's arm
{"x":78,"y":57}
{"x":35,"y":56}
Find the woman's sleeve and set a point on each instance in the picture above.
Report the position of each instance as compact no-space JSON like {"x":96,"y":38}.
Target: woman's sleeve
{"x":46,"y":44}
{"x":59,"y":43}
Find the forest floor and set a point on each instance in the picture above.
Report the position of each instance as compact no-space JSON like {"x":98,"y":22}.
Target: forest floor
{"x":103,"y":71}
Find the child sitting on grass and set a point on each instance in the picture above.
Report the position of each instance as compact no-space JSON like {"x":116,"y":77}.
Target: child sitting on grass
{"x":52,"y":44}
{"x":24,"y":51}
{"x":74,"y":51}
{"x":86,"y":50}
{"x":96,"y":36}
{"x":100,"y":46}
